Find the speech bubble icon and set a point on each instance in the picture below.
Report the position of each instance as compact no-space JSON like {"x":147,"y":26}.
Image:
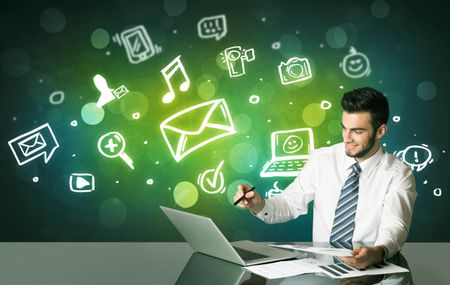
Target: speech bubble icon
{"x":37,"y":142}
{"x":416,"y":156}
{"x":212,"y":27}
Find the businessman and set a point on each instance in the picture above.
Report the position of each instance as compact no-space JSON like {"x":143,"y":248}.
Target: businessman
{"x":361,"y":193}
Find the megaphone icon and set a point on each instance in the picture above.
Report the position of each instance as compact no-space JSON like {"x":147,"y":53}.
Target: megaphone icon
{"x":82,"y":182}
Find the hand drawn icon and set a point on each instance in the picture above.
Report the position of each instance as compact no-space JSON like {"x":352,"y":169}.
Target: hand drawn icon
{"x":168,"y":72}
{"x":290,"y":151}
{"x":212,"y":27}
{"x":210,"y":121}
{"x":107,"y":94}
{"x":211,"y":181}
{"x":37,"y":142}
{"x":294,"y":70}
{"x":235,"y":58}
{"x":274,"y":192}
{"x":82,"y":182}
{"x":112,"y":145}
{"x":137,"y":43}
{"x":355,"y":64}
{"x":416,"y":156}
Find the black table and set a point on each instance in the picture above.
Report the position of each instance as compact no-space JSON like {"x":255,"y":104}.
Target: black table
{"x":172,"y":263}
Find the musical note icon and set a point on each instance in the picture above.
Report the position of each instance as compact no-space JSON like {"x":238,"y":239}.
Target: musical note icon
{"x":168,"y":72}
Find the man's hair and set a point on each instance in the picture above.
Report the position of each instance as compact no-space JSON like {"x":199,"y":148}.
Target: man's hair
{"x":367,"y":99}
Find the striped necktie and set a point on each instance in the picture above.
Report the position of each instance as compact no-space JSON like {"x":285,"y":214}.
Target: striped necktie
{"x":344,"y":217}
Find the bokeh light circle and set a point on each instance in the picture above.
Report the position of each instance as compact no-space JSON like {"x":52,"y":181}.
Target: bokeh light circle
{"x":396,"y":119}
{"x":100,"y":38}
{"x":91,"y":114}
{"x":206,"y":90}
{"x":132,"y":103}
{"x":174,"y":7}
{"x":243,"y":123}
{"x":15,"y":62}
{"x":426,"y":90}
{"x":336,"y":37}
{"x":220,"y":61}
{"x":52,"y":20}
{"x":290,"y":46}
{"x":243,"y":157}
{"x":112,"y":213}
{"x":380,"y":9}
{"x":185,"y":194}
{"x":313,"y":115}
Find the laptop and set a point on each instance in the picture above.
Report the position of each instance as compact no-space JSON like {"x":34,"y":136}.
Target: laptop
{"x":290,"y":151}
{"x":205,"y":237}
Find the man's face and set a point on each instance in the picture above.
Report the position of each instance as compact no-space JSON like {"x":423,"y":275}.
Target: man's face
{"x":358,"y":134}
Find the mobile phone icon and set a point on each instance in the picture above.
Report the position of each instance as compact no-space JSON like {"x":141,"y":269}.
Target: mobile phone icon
{"x":137,"y":43}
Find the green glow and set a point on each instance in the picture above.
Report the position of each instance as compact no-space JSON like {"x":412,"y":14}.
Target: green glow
{"x":185,"y":194}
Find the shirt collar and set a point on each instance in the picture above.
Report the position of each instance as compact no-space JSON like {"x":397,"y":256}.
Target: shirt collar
{"x":368,"y":165}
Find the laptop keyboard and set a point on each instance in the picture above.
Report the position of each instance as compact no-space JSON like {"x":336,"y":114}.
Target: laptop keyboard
{"x":286,"y":165}
{"x":247,"y":254}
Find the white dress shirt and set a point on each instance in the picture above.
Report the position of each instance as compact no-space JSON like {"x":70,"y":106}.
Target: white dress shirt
{"x":387,"y":192}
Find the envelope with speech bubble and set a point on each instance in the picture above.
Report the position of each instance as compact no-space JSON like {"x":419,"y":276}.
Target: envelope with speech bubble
{"x":208,"y":121}
{"x":32,"y":144}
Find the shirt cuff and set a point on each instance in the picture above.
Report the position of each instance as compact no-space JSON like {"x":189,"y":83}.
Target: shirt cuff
{"x":266,"y":212}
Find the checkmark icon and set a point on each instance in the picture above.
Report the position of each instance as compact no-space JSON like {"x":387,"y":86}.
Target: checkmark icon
{"x":213,"y":183}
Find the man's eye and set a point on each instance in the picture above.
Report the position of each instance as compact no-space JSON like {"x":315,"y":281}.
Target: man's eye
{"x":358,"y":132}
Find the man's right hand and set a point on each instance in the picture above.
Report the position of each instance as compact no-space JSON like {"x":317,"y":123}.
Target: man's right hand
{"x":252,"y":200}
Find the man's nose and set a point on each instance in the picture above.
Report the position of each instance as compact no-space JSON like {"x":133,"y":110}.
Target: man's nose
{"x":346,"y":135}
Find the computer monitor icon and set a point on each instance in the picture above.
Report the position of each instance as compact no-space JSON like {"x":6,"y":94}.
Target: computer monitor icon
{"x":290,"y":151}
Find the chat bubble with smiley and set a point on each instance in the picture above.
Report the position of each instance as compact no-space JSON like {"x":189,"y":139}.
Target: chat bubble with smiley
{"x":355,"y":64}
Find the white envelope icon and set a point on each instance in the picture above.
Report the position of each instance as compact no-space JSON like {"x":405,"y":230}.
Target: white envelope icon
{"x":32,"y":144}
{"x":120,"y":91}
{"x":196,"y":126}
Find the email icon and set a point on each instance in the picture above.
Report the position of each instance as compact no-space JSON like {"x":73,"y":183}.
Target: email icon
{"x":32,"y":144}
{"x":37,"y":142}
{"x":208,"y":122}
{"x":120,"y":91}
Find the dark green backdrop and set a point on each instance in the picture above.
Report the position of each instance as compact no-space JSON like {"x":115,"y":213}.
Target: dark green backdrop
{"x":60,"y":46}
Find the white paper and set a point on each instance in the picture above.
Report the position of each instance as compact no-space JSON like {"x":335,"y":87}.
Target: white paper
{"x":319,"y":250}
{"x":344,"y":271}
{"x":284,"y":269}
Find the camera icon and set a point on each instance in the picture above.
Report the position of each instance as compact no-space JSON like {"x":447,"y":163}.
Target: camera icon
{"x":294,"y":70}
{"x":235,"y":57}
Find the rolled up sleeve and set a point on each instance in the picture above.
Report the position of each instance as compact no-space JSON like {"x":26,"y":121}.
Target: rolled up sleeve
{"x":397,"y":212}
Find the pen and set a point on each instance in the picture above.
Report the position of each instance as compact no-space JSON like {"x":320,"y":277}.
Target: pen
{"x":243,"y":196}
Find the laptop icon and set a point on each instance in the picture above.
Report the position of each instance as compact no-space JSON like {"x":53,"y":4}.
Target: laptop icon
{"x":205,"y":237}
{"x":290,"y":151}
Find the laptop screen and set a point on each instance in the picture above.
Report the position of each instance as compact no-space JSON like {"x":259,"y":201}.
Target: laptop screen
{"x":292,"y":142}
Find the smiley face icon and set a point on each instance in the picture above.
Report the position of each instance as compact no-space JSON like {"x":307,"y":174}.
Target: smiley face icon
{"x":292,"y":144}
{"x":355,"y":64}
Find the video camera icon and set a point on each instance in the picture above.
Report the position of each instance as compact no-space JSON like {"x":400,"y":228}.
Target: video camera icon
{"x":235,"y":58}
{"x":82,"y":182}
{"x":37,"y":142}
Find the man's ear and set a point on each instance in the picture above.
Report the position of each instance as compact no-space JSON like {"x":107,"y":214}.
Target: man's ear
{"x":381,"y":131}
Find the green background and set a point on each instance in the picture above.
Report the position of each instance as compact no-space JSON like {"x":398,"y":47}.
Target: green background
{"x":44,"y":51}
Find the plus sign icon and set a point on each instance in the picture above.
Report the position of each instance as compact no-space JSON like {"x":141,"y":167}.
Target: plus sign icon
{"x":112,"y":145}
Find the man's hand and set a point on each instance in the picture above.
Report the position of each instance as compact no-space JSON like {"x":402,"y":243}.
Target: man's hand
{"x":252,"y":200}
{"x":364,"y":256}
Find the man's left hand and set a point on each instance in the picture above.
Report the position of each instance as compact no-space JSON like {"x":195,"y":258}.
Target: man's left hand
{"x":364,"y":256}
